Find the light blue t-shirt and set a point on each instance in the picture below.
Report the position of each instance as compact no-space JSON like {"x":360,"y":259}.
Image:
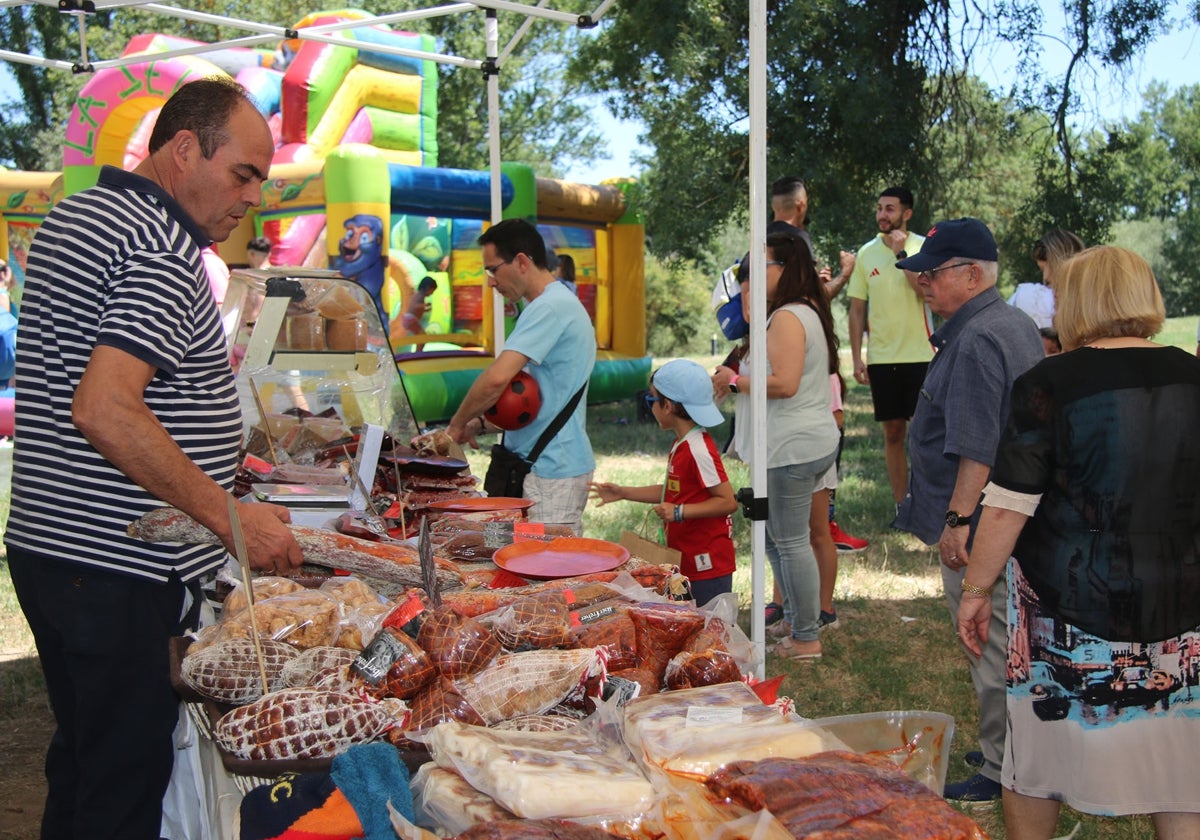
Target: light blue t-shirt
{"x":555,"y":333}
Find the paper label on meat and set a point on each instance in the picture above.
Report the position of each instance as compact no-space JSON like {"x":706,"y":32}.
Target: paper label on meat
{"x":699,"y":716}
{"x":379,"y":656}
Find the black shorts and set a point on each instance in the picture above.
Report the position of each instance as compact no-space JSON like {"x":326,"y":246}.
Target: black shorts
{"x":895,"y":389}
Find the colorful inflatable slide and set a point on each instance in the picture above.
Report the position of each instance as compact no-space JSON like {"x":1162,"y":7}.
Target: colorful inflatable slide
{"x":355,"y":186}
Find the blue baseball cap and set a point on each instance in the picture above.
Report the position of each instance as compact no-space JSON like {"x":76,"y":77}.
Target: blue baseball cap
{"x":962,"y":238}
{"x":685,"y":382}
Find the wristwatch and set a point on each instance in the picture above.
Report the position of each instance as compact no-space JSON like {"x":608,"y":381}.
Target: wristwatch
{"x":903,"y":255}
{"x":733,"y":384}
{"x":957,"y":520}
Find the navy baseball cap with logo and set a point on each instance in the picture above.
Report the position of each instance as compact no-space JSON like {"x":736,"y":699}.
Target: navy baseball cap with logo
{"x":957,"y":238}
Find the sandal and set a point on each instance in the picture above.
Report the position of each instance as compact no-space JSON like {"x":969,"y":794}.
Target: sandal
{"x":774,"y":613}
{"x":780,"y":630}
{"x":789,"y":649}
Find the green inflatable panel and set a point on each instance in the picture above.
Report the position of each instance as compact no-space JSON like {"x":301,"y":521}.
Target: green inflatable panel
{"x":436,"y":388}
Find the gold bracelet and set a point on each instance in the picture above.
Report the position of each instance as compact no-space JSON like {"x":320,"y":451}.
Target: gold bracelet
{"x":972,"y":589}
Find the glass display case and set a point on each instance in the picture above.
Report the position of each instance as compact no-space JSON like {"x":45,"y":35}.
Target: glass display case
{"x":315,"y":375}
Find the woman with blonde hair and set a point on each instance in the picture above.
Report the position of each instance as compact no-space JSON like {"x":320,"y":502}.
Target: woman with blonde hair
{"x":1050,"y":253}
{"x":1095,"y":494}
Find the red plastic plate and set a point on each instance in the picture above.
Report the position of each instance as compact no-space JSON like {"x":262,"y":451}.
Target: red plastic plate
{"x":560,"y":558}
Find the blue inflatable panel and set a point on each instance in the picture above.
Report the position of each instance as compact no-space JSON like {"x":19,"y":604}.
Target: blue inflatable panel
{"x":446,"y":193}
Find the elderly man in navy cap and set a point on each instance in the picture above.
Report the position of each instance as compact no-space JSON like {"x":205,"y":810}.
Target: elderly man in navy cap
{"x":981,"y":348}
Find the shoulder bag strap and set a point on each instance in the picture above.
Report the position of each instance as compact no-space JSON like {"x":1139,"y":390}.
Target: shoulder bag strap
{"x":553,"y":429}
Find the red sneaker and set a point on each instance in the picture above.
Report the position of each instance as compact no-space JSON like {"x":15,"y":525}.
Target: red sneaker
{"x":845,"y":543}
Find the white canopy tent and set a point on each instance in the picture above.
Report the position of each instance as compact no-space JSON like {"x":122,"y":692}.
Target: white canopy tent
{"x":261,"y":34}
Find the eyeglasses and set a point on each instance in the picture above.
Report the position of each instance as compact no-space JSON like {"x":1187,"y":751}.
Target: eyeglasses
{"x":650,"y":399}
{"x":775,"y":262}
{"x":490,"y":270}
{"x":934,"y":271}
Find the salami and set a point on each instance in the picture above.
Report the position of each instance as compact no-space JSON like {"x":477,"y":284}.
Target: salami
{"x":391,"y":562}
{"x":301,"y":723}
{"x":228,"y":671}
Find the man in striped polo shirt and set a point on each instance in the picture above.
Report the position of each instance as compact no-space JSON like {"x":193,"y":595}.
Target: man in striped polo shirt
{"x":126,"y":402}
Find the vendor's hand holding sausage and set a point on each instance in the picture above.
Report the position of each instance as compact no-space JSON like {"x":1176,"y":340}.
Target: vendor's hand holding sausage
{"x":269,"y":542}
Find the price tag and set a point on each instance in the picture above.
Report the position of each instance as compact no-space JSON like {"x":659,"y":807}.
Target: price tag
{"x":702,"y":716}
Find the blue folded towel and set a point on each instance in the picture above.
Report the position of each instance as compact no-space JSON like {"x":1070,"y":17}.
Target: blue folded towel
{"x":371,"y":775}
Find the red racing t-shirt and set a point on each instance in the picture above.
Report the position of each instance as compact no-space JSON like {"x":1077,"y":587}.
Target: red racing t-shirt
{"x":706,"y":543}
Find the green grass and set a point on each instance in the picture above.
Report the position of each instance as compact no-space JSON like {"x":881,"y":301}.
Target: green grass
{"x":895,"y":648}
{"x":1180,"y":331}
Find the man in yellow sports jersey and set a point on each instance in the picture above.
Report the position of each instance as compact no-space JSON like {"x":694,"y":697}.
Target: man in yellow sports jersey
{"x":898,"y":350}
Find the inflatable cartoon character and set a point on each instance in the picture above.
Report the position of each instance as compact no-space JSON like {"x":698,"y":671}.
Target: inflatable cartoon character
{"x":360,"y":257}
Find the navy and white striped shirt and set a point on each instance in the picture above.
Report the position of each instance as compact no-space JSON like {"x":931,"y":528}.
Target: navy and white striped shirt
{"x":117,"y":265}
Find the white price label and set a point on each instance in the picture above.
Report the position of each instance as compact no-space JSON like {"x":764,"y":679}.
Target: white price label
{"x":701,"y":716}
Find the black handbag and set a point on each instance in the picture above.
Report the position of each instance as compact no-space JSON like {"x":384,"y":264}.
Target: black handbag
{"x":507,"y":470}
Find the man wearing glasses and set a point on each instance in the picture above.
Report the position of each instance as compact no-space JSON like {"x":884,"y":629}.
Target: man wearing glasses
{"x":982,"y":347}
{"x":899,"y":349}
{"x":555,"y":342}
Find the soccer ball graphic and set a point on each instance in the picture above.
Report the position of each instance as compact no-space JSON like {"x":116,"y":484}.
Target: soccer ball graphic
{"x":518,"y":405}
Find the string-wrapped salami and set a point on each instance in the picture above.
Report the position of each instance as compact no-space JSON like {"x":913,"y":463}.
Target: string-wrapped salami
{"x":457,"y":646}
{"x":302,"y":723}
{"x":228,"y":671}
{"x":310,"y":667}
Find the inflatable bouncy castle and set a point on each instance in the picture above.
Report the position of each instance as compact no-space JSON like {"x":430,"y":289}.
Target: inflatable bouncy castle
{"x":355,"y":187}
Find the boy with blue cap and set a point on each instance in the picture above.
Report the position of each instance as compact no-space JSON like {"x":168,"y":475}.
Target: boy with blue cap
{"x":696,"y":501}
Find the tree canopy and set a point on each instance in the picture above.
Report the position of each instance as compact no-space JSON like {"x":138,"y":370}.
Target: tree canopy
{"x":861,"y":96}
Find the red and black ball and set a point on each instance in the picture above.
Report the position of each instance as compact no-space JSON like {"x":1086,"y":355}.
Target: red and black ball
{"x":518,"y":406}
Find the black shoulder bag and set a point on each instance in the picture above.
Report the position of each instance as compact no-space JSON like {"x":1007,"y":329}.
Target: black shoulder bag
{"x":507,"y":470}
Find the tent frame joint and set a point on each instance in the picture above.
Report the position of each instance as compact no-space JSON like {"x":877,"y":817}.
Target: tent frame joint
{"x":754,"y":507}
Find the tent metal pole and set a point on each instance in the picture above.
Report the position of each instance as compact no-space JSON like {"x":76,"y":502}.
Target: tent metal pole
{"x":758,"y":317}
{"x":492,"y":72}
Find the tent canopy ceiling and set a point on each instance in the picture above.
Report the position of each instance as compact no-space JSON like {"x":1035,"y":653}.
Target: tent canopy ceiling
{"x":258,"y":34}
